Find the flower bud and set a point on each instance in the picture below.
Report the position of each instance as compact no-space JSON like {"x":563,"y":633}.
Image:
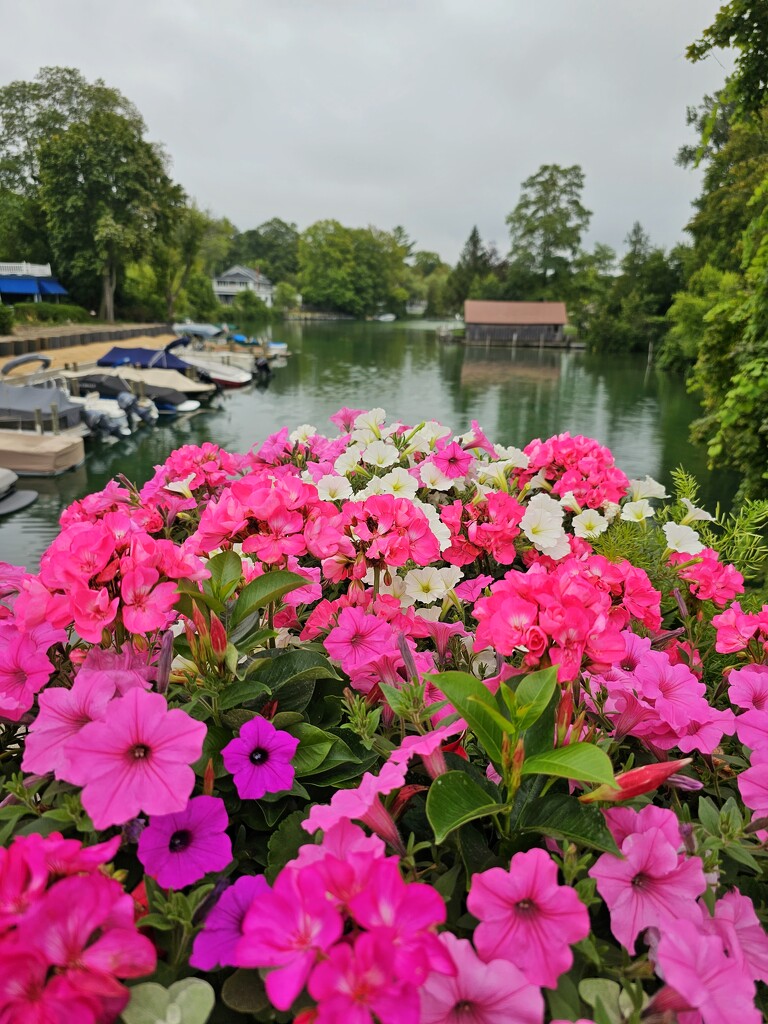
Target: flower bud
{"x":218,"y":638}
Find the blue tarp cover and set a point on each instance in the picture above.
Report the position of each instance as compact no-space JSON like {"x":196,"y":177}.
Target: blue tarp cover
{"x":144,"y":357}
{"x":48,"y":286}
{"x":18,"y":285}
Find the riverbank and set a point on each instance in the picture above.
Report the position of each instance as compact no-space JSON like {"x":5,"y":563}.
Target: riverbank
{"x":89,"y":352}
{"x":33,"y":338}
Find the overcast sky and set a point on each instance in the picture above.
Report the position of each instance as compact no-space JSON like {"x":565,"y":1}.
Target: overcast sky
{"x":425,"y":113}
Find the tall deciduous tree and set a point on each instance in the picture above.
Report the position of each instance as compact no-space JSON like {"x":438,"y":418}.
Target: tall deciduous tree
{"x":106,"y":195}
{"x":273,"y":247}
{"x":741,"y":25}
{"x":547,"y":224}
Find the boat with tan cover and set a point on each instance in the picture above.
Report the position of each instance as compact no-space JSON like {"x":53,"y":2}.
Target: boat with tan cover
{"x":29,"y":454}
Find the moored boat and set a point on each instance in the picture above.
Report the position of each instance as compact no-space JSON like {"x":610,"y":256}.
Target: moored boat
{"x":30,"y":454}
{"x":11,"y":499}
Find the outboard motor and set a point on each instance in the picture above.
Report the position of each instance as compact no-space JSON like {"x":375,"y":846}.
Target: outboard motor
{"x":97,"y":422}
{"x":129,"y":404}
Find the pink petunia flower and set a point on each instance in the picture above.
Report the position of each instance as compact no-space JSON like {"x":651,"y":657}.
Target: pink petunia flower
{"x":648,"y":884}
{"x":138,"y":760}
{"x":216,"y":945}
{"x":259,"y":759}
{"x":29,"y":994}
{"x":24,"y":669}
{"x":179,"y":849}
{"x":496,"y":992}
{"x":358,"y":638}
{"x":453,"y":461}
{"x":363,"y":804}
{"x":527,"y":918}
{"x":62,"y":715}
{"x":696,"y":966}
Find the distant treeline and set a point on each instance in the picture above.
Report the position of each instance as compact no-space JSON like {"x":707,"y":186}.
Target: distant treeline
{"x":82,"y":187}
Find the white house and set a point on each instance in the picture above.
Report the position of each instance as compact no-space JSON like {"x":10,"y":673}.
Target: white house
{"x":237,"y":279}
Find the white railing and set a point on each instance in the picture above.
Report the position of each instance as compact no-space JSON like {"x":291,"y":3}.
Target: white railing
{"x":27,"y":269}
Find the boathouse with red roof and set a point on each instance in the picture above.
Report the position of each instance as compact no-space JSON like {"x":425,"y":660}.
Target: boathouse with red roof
{"x":515,"y":323}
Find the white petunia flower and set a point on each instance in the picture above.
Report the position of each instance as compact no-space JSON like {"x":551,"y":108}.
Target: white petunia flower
{"x":695,"y":514}
{"x":348,"y":460}
{"x":370,"y":420}
{"x":589,"y":524}
{"x":647,"y":488}
{"x":451,"y":575}
{"x":181,"y":486}
{"x":637,"y":511}
{"x":400,"y":483}
{"x":300,"y":434}
{"x":425,"y":585}
{"x":542,"y":523}
{"x":682,"y":539}
{"x":611,"y":510}
{"x":374,"y":486}
{"x":436,"y":525}
{"x":334,"y":488}
{"x":514,"y":456}
{"x":569,"y":503}
{"x":381,"y":454}
{"x":432,"y":477}
{"x":559,"y":550}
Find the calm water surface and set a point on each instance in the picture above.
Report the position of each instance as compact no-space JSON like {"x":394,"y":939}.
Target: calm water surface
{"x":516,"y":396}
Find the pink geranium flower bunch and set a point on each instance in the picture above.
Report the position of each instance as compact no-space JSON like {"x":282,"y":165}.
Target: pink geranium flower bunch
{"x":579,"y":465}
{"x":67,"y":934}
{"x":300,"y":929}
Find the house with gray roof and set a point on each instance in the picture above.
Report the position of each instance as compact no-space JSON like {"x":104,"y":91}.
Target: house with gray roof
{"x":239,"y":278}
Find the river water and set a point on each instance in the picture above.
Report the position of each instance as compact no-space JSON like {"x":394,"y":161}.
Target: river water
{"x":642,"y":415}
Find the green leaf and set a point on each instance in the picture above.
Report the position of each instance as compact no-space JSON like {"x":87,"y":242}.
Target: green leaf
{"x":293,"y":665}
{"x":563,"y":817}
{"x":189,"y":1001}
{"x":533,"y":695}
{"x":458,"y":687}
{"x":216,"y":738}
{"x":582,"y":761}
{"x":453,"y":800}
{"x":709,"y":815}
{"x":240,"y":693}
{"x":285,"y":843}
{"x":226,"y":568}
{"x":264,"y":590}
{"x":314,"y":746}
{"x":244,"y":992}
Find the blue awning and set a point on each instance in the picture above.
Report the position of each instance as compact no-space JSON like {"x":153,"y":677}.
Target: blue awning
{"x":48,"y":286}
{"x":18,"y":286}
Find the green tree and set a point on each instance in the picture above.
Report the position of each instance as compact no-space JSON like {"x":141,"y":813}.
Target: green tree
{"x":743,"y":25}
{"x":286,"y":297}
{"x":173,"y":258}
{"x":273,"y":247}
{"x":32,"y":112}
{"x":473,"y":266}
{"x":547,"y":224}
{"x":106,"y":196}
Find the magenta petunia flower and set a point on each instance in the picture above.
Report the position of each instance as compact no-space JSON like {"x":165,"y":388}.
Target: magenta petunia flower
{"x":179,"y":849}
{"x":527,"y":918}
{"x":138,"y":760}
{"x":496,"y":992}
{"x":259,"y":759}
{"x":215,"y":945}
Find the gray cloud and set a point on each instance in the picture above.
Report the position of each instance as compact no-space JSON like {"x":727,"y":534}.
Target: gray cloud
{"x":426,"y":113}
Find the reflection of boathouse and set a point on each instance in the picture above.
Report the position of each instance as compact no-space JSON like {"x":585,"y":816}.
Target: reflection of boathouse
{"x":515,"y":323}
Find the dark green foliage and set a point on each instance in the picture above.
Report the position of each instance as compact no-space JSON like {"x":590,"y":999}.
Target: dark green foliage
{"x":273,"y":247}
{"x":6,"y":319}
{"x":743,"y":25}
{"x":49,"y":313}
